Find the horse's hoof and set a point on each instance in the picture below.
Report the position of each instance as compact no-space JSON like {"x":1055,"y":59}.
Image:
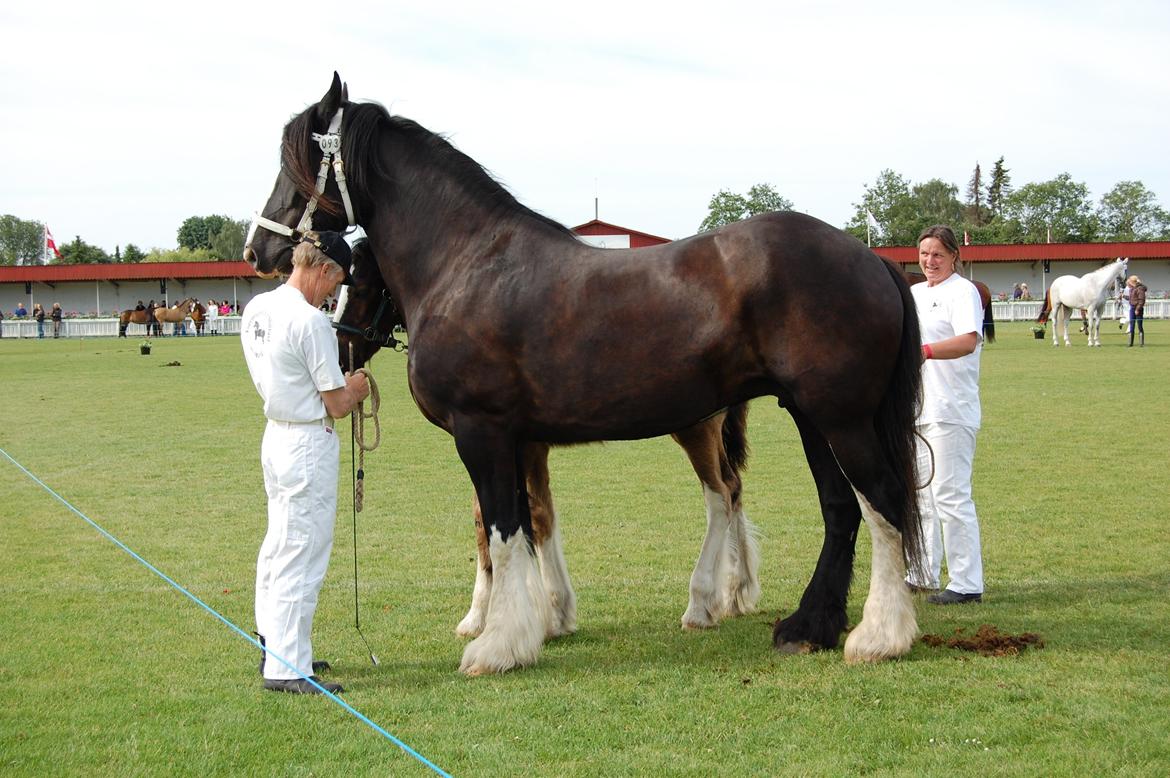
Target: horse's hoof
{"x":800,"y":647}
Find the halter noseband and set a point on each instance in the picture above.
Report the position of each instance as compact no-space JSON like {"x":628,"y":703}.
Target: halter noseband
{"x":370,"y":333}
{"x":330,"y":143}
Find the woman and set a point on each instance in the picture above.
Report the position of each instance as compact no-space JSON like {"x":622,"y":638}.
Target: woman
{"x":56,"y":315}
{"x":39,"y":314}
{"x":1137,"y":309}
{"x":951,"y":321}
{"x":212,"y":317}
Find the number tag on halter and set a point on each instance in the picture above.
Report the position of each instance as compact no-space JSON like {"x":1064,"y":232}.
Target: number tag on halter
{"x":330,"y":142}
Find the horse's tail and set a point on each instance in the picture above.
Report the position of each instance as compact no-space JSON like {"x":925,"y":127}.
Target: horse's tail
{"x":895,"y":425}
{"x":1046,"y":309}
{"x":988,"y":324}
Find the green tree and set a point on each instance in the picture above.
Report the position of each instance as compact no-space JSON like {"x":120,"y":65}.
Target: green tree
{"x":999,"y":188}
{"x":728,"y":207}
{"x":935,"y":202}
{"x":1129,"y":211}
{"x":976,"y":213}
{"x":81,"y":253}
{"x":1061,"y":206}
{"x":196,"y":231}
{"x":181,"y":254}
{"x":20,"y":240}
{"x":132,"y":254}
{"x":228,"y":243}
{"x":890,"y":201}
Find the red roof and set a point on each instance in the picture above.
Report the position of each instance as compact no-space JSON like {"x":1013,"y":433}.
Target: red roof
{"x":1033,"y":252}
{"x":144,"y":271}
{"x":637,"y":239}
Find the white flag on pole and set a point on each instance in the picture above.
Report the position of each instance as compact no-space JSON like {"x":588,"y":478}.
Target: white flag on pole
{"x":871,"y":221}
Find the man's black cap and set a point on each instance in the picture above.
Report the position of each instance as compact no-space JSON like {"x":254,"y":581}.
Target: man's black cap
{"x":333,"y":245}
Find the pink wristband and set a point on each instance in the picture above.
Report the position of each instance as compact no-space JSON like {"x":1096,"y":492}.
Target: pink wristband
{"x":927,"y":351}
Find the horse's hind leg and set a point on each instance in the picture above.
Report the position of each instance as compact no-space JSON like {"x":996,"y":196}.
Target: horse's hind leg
{"x":704,"y":448}
{"x":888,"y":624}
{"x":546,"y":535}
{"x":819,"y":620}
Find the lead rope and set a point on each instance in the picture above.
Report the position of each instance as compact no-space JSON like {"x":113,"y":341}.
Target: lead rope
{"x":357,"y":439}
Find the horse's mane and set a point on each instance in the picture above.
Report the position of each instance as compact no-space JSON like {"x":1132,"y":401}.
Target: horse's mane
{"x":363,"y":126}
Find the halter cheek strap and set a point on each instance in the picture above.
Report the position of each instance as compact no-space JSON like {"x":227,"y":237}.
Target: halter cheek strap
{"x":330,"y":143}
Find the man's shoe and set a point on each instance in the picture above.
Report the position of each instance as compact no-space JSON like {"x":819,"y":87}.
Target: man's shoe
{"x":319,"y":665}
{"x":300,"y":686}
{"x":947,"y":597}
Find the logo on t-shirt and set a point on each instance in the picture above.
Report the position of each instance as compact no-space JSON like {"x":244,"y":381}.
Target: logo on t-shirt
{"x":260,"y":334}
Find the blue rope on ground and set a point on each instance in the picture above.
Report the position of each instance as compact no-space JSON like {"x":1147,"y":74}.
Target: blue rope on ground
{"x":216,"y":614}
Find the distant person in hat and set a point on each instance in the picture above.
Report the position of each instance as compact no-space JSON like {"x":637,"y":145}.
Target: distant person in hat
{"x":291,"y":352}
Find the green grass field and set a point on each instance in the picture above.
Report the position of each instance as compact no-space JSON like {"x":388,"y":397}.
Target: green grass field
{"x":106,"y":669}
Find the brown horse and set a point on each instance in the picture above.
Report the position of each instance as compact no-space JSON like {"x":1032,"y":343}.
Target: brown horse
{"x":512,"y":321}
{"x":135,"y":316}
{"x":176,"y":314}
{"x":198,"y":315}
{"x":984,"y":298}
{"x":725,"y":581}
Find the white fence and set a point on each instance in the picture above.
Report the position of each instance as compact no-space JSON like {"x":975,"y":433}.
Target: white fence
{"x":107,"y":328}
{"x":1028,"y":311}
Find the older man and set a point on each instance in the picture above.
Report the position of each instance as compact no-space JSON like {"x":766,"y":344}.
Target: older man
{"x":291,"y":351}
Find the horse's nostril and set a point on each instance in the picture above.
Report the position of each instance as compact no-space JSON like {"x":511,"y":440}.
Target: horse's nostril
{"x":249,"y":256}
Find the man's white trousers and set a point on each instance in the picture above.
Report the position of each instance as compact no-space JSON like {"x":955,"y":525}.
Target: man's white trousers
{"x":949,"y":523}
{"x":300,"y":476}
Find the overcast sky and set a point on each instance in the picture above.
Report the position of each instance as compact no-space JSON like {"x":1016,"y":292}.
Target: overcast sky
{"x":121,"y":119}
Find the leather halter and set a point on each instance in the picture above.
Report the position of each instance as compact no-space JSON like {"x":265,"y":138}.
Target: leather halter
{"x":330,"y":143}
{"x":369,"y":333}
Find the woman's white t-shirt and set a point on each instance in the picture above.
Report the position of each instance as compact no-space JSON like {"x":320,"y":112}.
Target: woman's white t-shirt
{"x":950,"y":387}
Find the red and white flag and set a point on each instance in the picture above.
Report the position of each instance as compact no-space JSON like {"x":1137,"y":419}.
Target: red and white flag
{"x":50,"y":243}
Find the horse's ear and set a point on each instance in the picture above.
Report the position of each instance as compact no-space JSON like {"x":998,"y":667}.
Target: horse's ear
{"x":344,"y":94}
{"x":329,"y":104}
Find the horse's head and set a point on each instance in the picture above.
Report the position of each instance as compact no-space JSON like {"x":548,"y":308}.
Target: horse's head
{"x":306,"y":195}
{"x":366,"y":314}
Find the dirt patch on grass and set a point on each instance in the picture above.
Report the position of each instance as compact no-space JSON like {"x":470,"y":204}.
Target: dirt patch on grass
{"x":988,"y":641}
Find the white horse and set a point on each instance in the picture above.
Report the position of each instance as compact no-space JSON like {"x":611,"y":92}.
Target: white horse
{"x":1068,"y":293}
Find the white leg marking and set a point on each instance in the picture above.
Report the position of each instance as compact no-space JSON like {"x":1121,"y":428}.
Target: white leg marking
{"x":704,"y":607}
{"x":518,"y":614}
{"x":742,"y":591}
{"x":888,"y":623}
{"x":481,"y":597}
{"x":555,"y":574}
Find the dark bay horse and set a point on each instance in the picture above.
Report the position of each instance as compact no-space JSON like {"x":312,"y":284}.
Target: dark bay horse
{"x":512,"y":325}
{"x":725,"y":581}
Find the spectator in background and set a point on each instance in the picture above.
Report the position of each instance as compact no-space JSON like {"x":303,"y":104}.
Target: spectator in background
{"x":1017,"y":293}
{"x":56,"y":315}
{"x":1137,"y":310}
{"x":19,"y":311}
{"x":39,"y":314}
{"x":212,"y":317}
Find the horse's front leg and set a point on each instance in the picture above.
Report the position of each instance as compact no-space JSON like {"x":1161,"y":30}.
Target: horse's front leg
{"x":518,"y":614}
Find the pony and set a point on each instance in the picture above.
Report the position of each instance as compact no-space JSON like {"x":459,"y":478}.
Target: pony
{"x":176,"y":314}
{"x":198,"y":314}
{"x":984,"y":298}
{"x":512,"y":323}
{"x":135,"y":316}
{"x":725,"y":581}
{"x":1087,"y":292}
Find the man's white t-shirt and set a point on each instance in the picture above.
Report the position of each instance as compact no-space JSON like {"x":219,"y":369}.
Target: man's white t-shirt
{"x":950,"y":387}
{"x":291,"y":352}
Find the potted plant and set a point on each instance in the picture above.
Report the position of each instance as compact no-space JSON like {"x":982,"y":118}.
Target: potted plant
{"x":1038,"y":332}
{"x":144,"y":347}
